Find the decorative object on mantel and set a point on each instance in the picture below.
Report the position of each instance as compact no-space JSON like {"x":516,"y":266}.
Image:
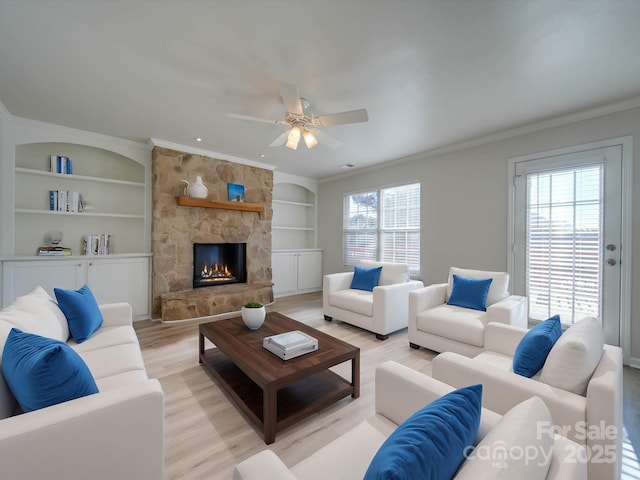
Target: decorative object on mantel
{"x":236,"y":192}
{"x":253,"y":314}
{"x":196,"y":190}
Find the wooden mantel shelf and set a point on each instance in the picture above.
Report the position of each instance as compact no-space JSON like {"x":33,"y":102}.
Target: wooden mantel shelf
{"x":204,"y":203}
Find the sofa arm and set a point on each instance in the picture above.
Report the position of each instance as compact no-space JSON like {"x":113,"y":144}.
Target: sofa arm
{"x":400,"y":391}
{"x":504,"y":390}
{"x":604,"y":409}
{"x":501,"y":338}
{"x":427,"y":297}
{"x":510,"y":311}
{"x":391,"y":306}
{"x":112,"y":434}
{"x":116,"y":314}
{"x":265,"y":465}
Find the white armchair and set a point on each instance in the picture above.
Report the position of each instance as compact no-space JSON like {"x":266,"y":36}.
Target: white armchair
{"x":381,"y":311}
{"x":438,"y":326}
{"x":593,"y":419}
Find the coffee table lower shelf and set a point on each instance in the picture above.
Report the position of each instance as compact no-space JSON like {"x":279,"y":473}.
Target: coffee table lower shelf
{"x":294,"y":402}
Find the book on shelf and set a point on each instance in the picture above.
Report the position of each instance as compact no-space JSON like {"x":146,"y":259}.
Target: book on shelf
{"x":46,"y":251}
{"x":60,"y":164}
{"x":65,"y":201}
{"x":97,"y":244}
{"x":290,"y":344}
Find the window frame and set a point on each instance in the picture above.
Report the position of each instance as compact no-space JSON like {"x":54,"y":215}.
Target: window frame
{"x":380,"y":229}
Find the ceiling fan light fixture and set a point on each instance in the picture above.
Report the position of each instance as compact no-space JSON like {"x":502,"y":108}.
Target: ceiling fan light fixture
{"x":294,"y":137}
{"x":310,"y":139}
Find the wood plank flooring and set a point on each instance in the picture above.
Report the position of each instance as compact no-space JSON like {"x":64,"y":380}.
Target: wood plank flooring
{"x":206,"y":435}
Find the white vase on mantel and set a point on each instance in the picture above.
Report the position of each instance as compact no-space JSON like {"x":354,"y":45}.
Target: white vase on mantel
{"x":253,"y":317}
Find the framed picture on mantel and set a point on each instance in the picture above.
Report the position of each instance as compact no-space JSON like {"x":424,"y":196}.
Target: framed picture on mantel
{"x":236,"y":192}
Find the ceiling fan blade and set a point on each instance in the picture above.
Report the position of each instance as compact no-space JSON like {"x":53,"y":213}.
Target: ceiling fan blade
{"x":353,"y":116}
{"x":255,"y":119}
{"x":326,"y":139}
{"x":291,"y":98}
{"x":280,"y":140}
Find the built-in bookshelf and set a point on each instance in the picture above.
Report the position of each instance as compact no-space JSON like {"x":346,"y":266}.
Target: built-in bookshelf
{"x":113,"y":191}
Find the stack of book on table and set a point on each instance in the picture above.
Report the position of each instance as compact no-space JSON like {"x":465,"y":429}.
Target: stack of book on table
{"x":290,"y":344}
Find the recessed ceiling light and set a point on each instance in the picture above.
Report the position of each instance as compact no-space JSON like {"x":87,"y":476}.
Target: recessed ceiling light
{"x":347,"y":165}
{"x":262,"y":155}
{"x":198,"y":139}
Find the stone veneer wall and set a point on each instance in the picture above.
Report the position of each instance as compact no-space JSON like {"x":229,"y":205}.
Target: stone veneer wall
{"x":175,"y":229}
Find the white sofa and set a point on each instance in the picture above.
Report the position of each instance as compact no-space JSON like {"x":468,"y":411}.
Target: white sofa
{"x":399,"y":392}
{"x":594,"y":420}
{"x":116,"y":433}
{"x":440,"y":327}
{"x":381,"y":311}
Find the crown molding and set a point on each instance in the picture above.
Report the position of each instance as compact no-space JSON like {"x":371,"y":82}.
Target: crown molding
{"x":155,"y":142}
{"x":4,"y":113}
{"x":503,"y":135}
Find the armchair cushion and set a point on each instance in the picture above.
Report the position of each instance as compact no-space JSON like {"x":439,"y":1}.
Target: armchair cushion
{"x":365,"y":278}
{"x":359,"y":301}
{"x":517,"y":431}
{"x":470,"y":292}
{"x":41,"y":371}
{"x":391,"y":272}
{"x":534,"y":347}
{"x":458,"y":323}
{"x":82,"y":311}
{"x":499,"y":289}
{"x":431,"y":443}
{"x":575,"y":356}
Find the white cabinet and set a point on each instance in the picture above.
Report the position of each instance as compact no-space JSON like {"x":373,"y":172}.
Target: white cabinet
{"x":294,"y":212}
{"x":112,"y":279}
{"x":296,"y":271}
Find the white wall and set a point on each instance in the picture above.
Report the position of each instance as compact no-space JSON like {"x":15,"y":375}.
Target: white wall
{"x":464,"y":201}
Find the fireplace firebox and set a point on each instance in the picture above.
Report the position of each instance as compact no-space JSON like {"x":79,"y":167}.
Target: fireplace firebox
{"x":219,"y":264}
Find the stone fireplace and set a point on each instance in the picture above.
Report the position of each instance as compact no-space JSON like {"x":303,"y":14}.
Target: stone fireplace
{"x":177,"y":228}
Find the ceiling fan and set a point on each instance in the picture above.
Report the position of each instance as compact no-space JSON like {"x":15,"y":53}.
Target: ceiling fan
{"x":303,"y":123}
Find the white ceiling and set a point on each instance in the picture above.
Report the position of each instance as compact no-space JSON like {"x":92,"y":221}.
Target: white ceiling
{"x":430,"y":73}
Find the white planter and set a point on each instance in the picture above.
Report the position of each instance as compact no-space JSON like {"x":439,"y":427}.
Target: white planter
{"x":253,"y":317}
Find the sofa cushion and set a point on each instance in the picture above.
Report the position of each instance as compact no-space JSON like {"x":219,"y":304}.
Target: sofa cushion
{"x":109,"y":361}
{"x":431,"y":442}
{"x":37,"y":313}
{"x":358,"y":301}
{"x":391,"y":274}
{"x":82,"y":311}
{"x":106,"y":337}
{"x":515,"y":448}
{"x":470,"y":292}
{"x":365,"y":278}
{"x":7,"y":400}
{"x":499,"y":289}
{"x":575,"y":356}
{"x":41,"y":371}
{"x":534,"y":347}
{"x":457,"y":323}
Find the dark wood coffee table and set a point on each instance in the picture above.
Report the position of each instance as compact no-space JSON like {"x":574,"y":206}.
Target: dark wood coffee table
{"x":275,"y":393}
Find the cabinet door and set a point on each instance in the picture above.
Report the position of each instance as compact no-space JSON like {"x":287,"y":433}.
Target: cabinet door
{"x":116,"y":280}
{"x":309,"y":270}
{"x":19,"y":278}
{"x":284,"y":272}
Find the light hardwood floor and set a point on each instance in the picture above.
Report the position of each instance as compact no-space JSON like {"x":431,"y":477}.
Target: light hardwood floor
{"x":206,"y":435}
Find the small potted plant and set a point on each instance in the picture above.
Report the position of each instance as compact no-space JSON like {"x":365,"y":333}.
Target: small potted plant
{"x":253,"y":314}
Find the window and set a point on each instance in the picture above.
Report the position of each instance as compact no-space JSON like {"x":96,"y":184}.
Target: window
{"x":383,"y":225}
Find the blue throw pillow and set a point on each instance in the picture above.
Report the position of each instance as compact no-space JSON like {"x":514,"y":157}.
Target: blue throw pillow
{"x":431,"y":443}
{"x":365,"y":278}
{"x":534,"y":347}
{"x":82,"y":312}
{"x":41,"y":371}
{"x":470,"y":292}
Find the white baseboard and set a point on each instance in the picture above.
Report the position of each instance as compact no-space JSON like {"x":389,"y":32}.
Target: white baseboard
{"x":634,"y":362}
